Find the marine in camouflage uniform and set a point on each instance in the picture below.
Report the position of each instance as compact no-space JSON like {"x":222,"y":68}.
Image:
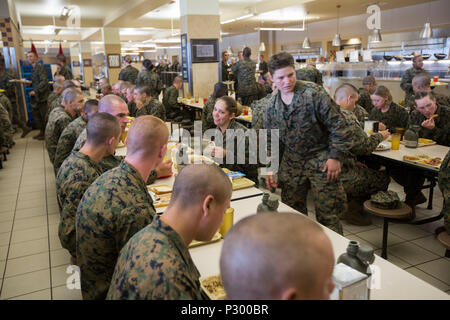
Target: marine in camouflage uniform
{"x":129,"y":73}
{"x":152,"y":80}
{"x":444,"y":185}
{"x":67,"y":141}
{"x":250,"y":170}
{"x":112,"y":210}
{"x":153,"y":108}
{"x":247,"y":90}
{"x":109,"y":162}
{"x":360,"y":113}
{"x":77,"y":173}
{"x":364,"y":99}
{"x":54,"y":100}
{"x":155,"y":265}
{"x":58,"y":120}
{"x":395,"y":117}
{"x":312,"y":130}
{"x":66,"y":72}
{"x":7,"y":105}
{"x":257,"y":112}
{"x":406,"y":84}
{"x":207,"y":114}
{"x":6,"y":124}
{"x":441,"y":131}
{"x":361,"y":182}
{"x":170,"y":100}
{"x":311,"y":74}
{"x":39,"y":83}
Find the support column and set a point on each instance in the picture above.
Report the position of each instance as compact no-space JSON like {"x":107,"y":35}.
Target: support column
{"x":111,"y":40}
{"x":13,"y":52}
{"x":86,"y":58}
{"x":200,"y":20}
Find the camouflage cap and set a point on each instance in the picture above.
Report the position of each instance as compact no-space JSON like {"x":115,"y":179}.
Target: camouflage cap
{"x":385,"y":200}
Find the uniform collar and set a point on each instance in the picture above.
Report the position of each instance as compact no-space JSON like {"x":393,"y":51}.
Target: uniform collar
{"x":125,"y":166}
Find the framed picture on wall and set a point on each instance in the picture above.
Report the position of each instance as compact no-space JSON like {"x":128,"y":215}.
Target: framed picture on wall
{"x":76,"y":63}
{"x":205,"y":50}
{"x":113,"y":60}
{"x":87,"y":62}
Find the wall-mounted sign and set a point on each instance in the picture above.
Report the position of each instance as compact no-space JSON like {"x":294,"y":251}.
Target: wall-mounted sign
{"x":75,"y":63}
{"x":184,"y":57}
{"x":204,"y":50}
{"x":113,"y":60}
{"x":87,"y":62}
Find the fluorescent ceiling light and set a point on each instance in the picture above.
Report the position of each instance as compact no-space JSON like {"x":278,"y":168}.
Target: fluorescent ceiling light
{"x":238,"y":18}
{"x":280,"y":29}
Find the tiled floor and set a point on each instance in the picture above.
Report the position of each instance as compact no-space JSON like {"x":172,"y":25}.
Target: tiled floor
{"x":34,"y":266}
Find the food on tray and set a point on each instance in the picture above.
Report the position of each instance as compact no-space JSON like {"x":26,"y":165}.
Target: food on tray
{"x":425,"y":141}
{"x":161,"y":200}
{"x":411,"y":158}
{"x":432,"y":162}
{"x":196,"y":243}
{"x":423,"y":156}
{"x":160,"y":188}
{"x":214,"y":288}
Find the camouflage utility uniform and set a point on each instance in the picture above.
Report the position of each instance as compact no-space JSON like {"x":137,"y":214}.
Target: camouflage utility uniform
{"x":67,"y":141}
{"x":7,"y":105}
{"x":153,"y":108}
{"x":112,"y":210}
{"x":151,"y":80}
{"x":360,"y":113}
{"x":311,"y":74}
{"x":58,"y":120}
{"x":364,"y":99}
{"x":129,"y":73}
{"x":170,"y":101}
{"x":258,"y":107}
{"x":250,"y":170}
{"x":441,"y":131}
{"x":66,"y":72}
{"x":77,"y":173}
{"x":54,"y":100}
{"x":207,"y":114}
{"x":39,"y":83}
{"x":361,"y":182}
{"x":247,"y":90}
{"x":9,"y":92}
{"x":6,"y":124}
{"x":406,"y":84}
{"x":312,"y":130}
{"x":155,"y":265}
{"x":444,"y":185}
{"x":395,"y":117}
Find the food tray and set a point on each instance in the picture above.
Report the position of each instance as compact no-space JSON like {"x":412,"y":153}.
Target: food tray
{"x":196,"y":243}
{"x":159,"y":188}
{"x":242,"y":183}
{"x":421,"y":161}
{"x":383,"y":146}
{"x":219,"y":292}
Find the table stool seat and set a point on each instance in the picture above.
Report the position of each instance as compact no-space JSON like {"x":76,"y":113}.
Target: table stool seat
{"x":404,"y":212}
{"x":444,"y":238}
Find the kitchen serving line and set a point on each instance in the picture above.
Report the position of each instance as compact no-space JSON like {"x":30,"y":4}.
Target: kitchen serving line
{"x":390,"y":282}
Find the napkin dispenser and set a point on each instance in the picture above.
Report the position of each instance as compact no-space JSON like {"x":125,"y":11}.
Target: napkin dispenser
{"x":350,"y":284}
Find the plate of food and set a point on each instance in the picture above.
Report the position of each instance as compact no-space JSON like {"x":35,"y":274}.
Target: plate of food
{"x":159,"y":188}
{"x":213,"y":287}
{"x":161,"y":200}
{"x":383,"y":146}
{"x":196,"y":243}
{"x":424,"y":160}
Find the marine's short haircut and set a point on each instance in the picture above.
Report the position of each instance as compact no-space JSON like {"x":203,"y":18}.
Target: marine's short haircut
{"x":90,"y":105}
{"x":101,"y":127}
{"x":61,"y":57}
{"x":422,"y":94}
{"x":177,"y":79}
{"x":367,"y":81}
{"x":220,"y":90}
{"x":416,"y":57}
{"x":127,"y":59}
{"x":344,"y":90}
{"x":196,"y":181}
{"x":69,"y":84}
{"x":247,"y":52}
{"x":147,"y":64}
{"x":422,"y":79}
{"x":147,"y":134}
{"x":279,"y":61}
{"x":230,"y":104}
{"x":143,"y":89}
{"x":106,"y":104}
{"x":57,"y":85}
{"x":125,"y":85}
{"x":70,"y":94}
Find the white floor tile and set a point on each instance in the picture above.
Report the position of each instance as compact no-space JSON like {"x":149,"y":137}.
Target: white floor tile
{"x":29,"y":234}
{"x":431,"y":243}
{"x":427,"y":278}
{"x":439,"y":269}
{"x":6,"y":226}
{"x":59,"y":257}
{"x":27,"y":248}
{"x":27,"y":264}
{"x":4,"y":238}
{"x":375,"y":237}
{"x":63,"y":293}
{"x":6,"y":216}
{"x":3,"y":254}
{"x":59,"y":275}
{"x":26,"y":283}
{"x":31,"y":212}
{"x":29,"y":223}
{"x":407,"y":231}
{"x":55,"y":243}
{"x":39,"y":295}
{"x":412,"y":253}
{"x":393,"y":259}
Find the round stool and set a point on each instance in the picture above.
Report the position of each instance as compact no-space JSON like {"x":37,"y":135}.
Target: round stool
{"x":402,"y":213}
{"x":444,"y":238}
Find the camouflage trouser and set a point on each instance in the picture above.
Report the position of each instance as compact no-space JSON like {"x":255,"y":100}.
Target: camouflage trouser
{"x":67,"y":235}
{"x":5,"y":122}
{"x":330,"y":200}
{"x":411,"y":180}
{"x":363,"y":182}
{"x":446,"y":205}
{"x":39,"y":109}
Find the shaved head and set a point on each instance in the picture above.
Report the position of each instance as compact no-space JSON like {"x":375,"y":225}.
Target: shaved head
{"x":277,"y":256}
{"x":421,"y":82}
{"x":115,"y":106}
{"x":344,"y":91}
{"x":196,"y":181}
{"x":102,"y":127}
{"x":146,"y":136}
{"x":369,"y":80}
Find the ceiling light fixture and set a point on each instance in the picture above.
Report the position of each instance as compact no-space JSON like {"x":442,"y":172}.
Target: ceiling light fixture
{"x":238,"y":18}
{"x":337,"y":37}
{"x":375,"y":37}
{"x":426,"y":32}
{"x":306,"y":44}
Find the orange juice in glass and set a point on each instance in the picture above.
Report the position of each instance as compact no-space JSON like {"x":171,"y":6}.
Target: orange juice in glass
{"x":227,"y":221}
{"x":395,"y":141}
{"x":188,"y":95}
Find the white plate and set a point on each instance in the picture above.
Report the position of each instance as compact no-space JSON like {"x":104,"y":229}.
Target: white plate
{"x":383,"y":146}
